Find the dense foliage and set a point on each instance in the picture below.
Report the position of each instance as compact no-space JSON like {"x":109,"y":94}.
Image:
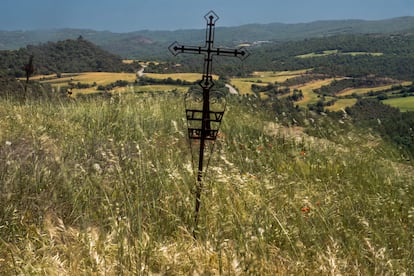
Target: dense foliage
{"x":10,"y":88}
{"x":389,"y":122}
{"x":355,"y":56}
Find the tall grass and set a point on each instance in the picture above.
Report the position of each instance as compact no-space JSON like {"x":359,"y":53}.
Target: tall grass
{"x":105,"y":186}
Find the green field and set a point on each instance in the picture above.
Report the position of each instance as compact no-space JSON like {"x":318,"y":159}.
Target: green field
{"x":361,"y":91}
{"x":341,"y":104}
{"x":404,"y":104}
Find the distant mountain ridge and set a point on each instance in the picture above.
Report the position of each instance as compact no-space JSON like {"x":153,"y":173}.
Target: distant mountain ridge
{"x":148,"y":44}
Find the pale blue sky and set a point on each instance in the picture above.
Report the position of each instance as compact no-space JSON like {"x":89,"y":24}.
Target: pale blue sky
{"x":133,"y":15}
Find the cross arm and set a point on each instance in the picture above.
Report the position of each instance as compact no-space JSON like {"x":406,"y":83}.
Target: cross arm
{"x":176,"y":49}
{"x":241,"y":53}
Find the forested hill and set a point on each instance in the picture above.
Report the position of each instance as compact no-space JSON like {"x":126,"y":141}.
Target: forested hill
{"x":77,"y":55}
{"x":343,"y":55}
{"x":382,"y":55}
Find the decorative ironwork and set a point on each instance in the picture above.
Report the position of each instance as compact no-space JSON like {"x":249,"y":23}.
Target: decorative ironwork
{"x":209,"y":120}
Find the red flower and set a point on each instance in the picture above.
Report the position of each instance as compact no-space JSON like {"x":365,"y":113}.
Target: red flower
{"x":305,"y":209}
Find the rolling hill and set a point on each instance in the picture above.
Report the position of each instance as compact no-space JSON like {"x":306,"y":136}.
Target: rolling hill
{"x":153,"y":43}
{"x":78,"y":55}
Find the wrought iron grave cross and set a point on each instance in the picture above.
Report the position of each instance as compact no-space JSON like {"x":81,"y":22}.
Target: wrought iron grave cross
{"x":205,"y":132}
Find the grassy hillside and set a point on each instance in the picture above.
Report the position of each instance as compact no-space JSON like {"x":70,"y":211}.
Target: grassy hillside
{"x":105,"y":186}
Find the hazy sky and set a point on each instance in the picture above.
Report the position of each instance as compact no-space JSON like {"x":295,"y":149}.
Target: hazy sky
{"x":133,"y":15}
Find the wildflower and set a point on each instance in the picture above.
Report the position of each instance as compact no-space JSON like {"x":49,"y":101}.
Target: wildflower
{"x":305,"y":209}
{"x":8,"y":143}
{"x":261,"y":231}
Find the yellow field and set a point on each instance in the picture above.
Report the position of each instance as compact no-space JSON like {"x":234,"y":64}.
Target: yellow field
{"x":272,"y":77}
{"x":341,"y":104}
{"x":358,"y":91}
{"x":324,"y":53}
{"x":105,"y":78}
{"x":263,"y":74}
{"x":375,"y":54}
{"x":41,"y":77}
{"x":101,"y":78}
{"x":152,"y":88}
{"x":179,"y":76}
{"x":263,"y":78}
{"x":244,"y":87}
{"x":128,"y":61}
{"x":337,"y":52}
{"x":144,"y":88}
{"x":310,"y":97}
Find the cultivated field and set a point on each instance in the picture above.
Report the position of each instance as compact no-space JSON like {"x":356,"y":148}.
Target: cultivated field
{"x":100,"y":78}
{"x":341,"y":104}
{"x":151,"y":88}
{"x":310,"y":97}
{"x":361,"y":91}
{"x":404,"y":103}
{"x":243,"y":85}
{"x":192,"y":77}
{"x":337,"y":52}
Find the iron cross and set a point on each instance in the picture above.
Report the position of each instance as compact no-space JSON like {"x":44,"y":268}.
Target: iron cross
{"x":209,"y":50}
{"x":206,"y":132}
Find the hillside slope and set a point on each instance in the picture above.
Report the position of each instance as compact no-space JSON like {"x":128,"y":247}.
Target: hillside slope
{"x":107,"y":187}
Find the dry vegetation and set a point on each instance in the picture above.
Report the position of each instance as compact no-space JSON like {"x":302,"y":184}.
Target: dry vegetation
{"x":105,"y":187}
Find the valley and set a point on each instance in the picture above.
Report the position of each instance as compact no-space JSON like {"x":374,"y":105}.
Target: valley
{"x":89,"y":82}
